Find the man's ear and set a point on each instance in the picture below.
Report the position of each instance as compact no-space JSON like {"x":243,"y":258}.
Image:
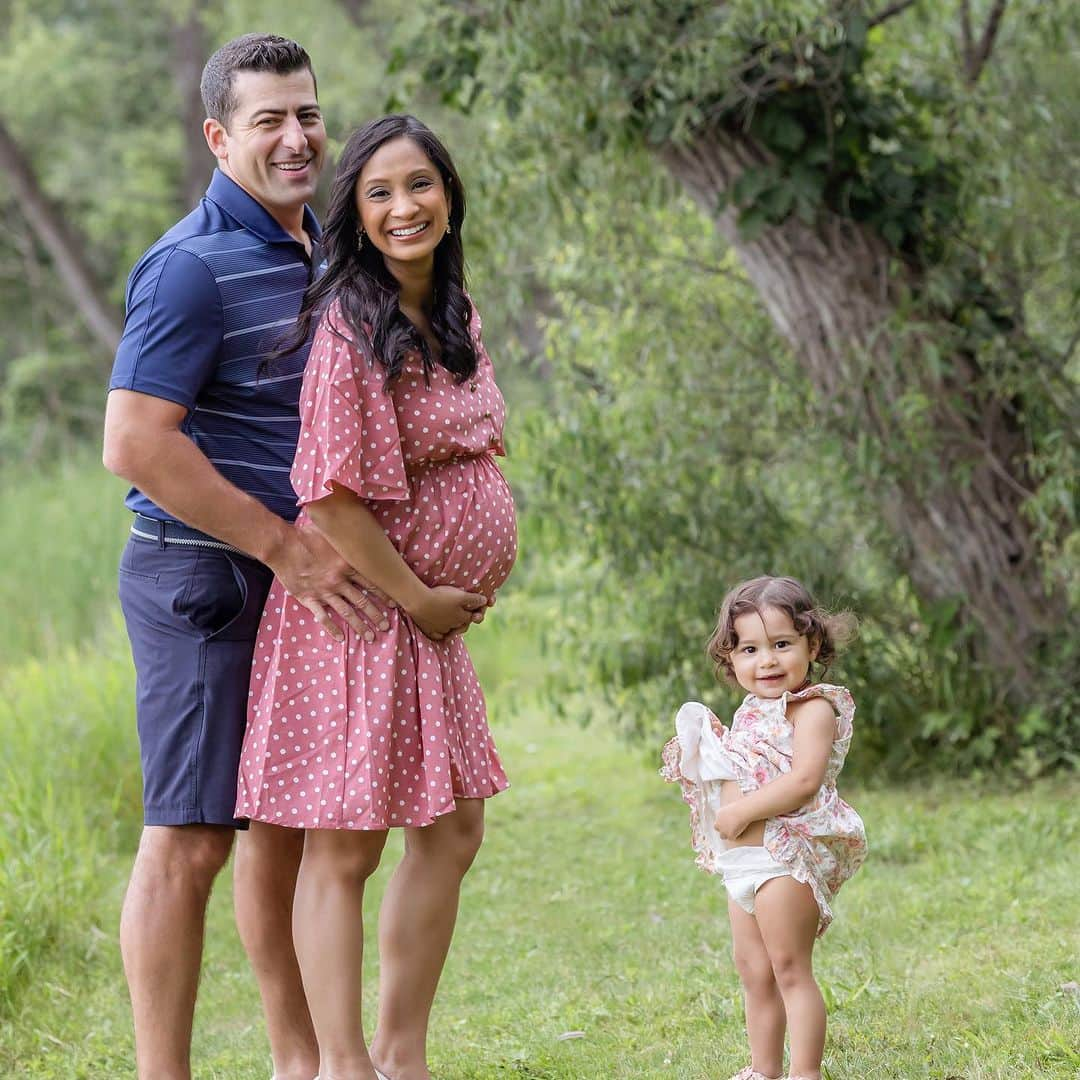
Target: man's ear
{"x":217,"y":138}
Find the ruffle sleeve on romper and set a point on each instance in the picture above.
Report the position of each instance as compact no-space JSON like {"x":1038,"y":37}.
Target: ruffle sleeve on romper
{"x":695,"y":759}
{"x":348,"y":427}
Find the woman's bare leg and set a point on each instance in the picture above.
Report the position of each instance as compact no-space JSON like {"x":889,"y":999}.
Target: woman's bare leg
{"x":787,"y":916}
{"x":328,"y":932}
{"x":765,"y":1018}
{"x":416,"y":923}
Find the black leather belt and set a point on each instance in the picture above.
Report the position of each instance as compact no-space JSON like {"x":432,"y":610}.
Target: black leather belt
{"x":168,"y":533}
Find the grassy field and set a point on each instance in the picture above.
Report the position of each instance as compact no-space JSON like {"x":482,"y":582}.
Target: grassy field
{"x":589,"y":947}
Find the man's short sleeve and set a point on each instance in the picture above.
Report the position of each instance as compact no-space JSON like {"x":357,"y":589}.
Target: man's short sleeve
{"x":173,"y":328}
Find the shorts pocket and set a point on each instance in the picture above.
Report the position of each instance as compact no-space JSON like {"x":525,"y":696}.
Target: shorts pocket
{"x":214,"y":595}
{"x":132,"y":566}
{"x":125,"y":572}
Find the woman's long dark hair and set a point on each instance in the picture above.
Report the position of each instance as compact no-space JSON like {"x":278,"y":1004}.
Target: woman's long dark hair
{"x":358,"y":277}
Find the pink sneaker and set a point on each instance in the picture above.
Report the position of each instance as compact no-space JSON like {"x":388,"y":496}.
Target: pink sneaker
{"x":750,"y":1073}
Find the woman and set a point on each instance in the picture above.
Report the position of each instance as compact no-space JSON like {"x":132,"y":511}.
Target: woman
{"x":400,"y":419}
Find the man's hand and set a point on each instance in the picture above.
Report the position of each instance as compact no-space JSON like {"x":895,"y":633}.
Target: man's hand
{"x":731,"y":822}
{"x":320,"y":579}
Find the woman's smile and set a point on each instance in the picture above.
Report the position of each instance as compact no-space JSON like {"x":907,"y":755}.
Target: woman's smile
{"x":407,"y":232}
{"x":402,"y":203}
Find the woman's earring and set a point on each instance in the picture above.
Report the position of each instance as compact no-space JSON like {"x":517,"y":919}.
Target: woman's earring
{"x":448,"y":229}
{"x":359,"y":239}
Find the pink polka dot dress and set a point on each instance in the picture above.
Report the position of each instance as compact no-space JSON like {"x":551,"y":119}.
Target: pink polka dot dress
{"x":371,"y":735}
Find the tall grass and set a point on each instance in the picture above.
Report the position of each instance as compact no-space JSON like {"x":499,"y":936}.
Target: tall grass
{"x":69,"y":793}
{"x":954,"y":955}
{"x":69,"y":781}
{"x":60,"y":539}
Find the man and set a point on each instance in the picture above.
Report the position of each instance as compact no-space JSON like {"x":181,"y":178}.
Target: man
{"x":206,"y":434}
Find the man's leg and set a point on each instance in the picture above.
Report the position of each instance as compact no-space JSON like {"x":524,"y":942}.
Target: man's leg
{"x":264,"y":881}
{"x":328,"y":928}
{"x":161,"y":939}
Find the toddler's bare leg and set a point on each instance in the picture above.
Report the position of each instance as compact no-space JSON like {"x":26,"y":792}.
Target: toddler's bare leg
{"x":787,"y":916}
{"x":765,"y":1019}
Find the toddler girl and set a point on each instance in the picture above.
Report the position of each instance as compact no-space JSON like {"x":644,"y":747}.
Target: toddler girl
{"x":764,"y":812}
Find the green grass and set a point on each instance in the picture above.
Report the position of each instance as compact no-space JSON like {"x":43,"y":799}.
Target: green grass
{"x":69,"y":795}
{"x":585,"y":914}
{"x":951,"y":955}
{"x":60,"y":540}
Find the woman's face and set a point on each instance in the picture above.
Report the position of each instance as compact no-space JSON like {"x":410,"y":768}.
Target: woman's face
{"x":402,"y":203}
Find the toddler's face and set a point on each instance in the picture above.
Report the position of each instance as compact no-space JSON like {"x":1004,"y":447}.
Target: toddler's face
{"x":770,"y":656}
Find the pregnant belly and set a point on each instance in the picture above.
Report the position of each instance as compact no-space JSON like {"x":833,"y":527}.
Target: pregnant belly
{"x":459,"y":526}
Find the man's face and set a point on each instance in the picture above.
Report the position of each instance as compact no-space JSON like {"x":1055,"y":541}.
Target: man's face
{"x":275,"y":141}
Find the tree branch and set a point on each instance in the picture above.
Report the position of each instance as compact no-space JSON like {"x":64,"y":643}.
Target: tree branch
{"x":975,"y":56}
{"x":966,"y":36}
{"x":355,"y":9}
{"x":65,"y":247}
{"x":890,"y":11}
{"x":187,"y":53}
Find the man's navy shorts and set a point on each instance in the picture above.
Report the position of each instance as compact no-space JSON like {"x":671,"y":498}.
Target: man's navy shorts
{"x":192,"y":615}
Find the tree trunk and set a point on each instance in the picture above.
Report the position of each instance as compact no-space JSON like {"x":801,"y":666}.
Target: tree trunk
{"x":832,"y":291}
{"x":187,"y":55}
{"x":356,"y":11}
{"x":65,"y":247}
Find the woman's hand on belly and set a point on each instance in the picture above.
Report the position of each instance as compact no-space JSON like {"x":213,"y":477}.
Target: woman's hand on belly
{"x":445,"y":610}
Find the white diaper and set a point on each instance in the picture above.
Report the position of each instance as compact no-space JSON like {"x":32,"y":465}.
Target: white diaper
{"x":745,"y":870}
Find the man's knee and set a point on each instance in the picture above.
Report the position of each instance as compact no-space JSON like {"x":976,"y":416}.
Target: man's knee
{"x":268,"y":853}
{"x":194,"y":854}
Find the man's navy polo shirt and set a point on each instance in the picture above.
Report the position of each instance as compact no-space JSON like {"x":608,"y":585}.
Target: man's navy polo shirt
{"x":204,"y":305}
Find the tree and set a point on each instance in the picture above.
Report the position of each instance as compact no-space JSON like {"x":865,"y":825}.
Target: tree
{"x":61,"y":240}
{"x":835,"y":169}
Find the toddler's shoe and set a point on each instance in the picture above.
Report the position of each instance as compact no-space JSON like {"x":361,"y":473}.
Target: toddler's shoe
{"x":750,"y":1073}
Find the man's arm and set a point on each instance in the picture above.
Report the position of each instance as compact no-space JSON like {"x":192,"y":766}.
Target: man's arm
{"x":145,"y":446}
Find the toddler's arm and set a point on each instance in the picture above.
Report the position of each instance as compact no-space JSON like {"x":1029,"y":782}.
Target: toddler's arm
{"x":815,"y":729}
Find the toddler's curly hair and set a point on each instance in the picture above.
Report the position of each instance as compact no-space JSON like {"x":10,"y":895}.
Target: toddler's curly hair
{"x":828,"y":632}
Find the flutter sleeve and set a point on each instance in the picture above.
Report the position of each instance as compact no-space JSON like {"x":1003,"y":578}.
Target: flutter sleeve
{"x":348,"y":426}
{"x":838,"y":697}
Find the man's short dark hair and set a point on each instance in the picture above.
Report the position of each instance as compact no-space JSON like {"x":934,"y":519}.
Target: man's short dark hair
{"x":252,"y":52}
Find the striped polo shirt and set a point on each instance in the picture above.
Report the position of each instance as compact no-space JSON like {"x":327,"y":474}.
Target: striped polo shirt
{"x":204,"y":306}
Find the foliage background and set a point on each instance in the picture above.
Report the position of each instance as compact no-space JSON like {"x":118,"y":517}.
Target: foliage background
{"x":669,"y":441}
{"x":666,"y":440}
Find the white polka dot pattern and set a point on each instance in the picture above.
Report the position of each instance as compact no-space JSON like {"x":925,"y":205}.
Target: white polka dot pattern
{"x":369,"y":735}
